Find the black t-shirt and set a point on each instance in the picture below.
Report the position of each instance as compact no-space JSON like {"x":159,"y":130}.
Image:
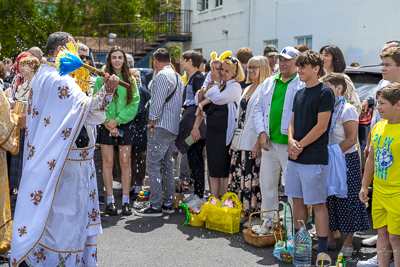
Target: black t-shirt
{"x":308,"y":102}
{"x":193,"y":85}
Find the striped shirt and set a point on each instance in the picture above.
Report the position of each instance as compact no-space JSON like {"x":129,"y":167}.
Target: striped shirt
{"x":166,"y":116}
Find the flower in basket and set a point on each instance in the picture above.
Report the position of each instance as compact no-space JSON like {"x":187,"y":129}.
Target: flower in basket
{"x":228,"y":203}
{"x":214,"y":201}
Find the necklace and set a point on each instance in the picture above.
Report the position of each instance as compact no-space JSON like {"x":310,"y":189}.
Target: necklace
{"x":26,"y":89}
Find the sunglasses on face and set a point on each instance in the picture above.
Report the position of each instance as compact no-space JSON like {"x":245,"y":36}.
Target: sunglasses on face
{"x":83,"y":56}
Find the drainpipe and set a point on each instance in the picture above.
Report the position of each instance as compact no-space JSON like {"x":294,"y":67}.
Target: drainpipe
{"x":247,"y":27}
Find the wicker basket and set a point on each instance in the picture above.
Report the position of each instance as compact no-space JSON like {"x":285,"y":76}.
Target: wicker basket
{"x":264,"y":240}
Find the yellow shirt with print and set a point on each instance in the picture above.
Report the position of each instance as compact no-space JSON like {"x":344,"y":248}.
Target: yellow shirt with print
{"x":385,"y":139}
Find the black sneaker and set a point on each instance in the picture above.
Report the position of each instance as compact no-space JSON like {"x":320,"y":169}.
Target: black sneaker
{"x":167,"y":209}
{"x":126,"y":209}
{"x":111,"y":209}
{"x":149,"y":212}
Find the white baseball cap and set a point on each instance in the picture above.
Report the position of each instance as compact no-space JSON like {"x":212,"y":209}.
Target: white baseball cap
{"x":288,"y":52}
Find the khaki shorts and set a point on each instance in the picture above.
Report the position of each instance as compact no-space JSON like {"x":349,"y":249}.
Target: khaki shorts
{"x":385,"y":211}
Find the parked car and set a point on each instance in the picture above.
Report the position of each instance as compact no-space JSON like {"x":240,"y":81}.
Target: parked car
{"x":365,"y":79}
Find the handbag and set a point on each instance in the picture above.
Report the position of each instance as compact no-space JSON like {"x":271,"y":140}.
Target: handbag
{"x":237,"y":137}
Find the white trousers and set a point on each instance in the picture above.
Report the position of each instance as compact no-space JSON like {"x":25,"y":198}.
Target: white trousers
{"x":273,"y":165}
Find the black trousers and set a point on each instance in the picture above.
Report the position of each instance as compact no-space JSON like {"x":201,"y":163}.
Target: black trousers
{"x":196,"y":165}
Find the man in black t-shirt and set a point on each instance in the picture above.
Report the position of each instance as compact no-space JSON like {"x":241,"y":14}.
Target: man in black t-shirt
{"x":306,"y":172}
{"x":191,"y":125}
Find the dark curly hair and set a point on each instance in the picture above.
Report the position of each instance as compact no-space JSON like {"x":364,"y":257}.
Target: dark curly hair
{"x":125,"y":72}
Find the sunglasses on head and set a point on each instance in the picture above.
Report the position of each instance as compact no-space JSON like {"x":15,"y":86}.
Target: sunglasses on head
{"x":234,"y":60}
{"x":83,"y":56}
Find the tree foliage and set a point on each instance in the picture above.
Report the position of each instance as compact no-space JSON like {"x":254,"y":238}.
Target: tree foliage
{"x":27,"y":23}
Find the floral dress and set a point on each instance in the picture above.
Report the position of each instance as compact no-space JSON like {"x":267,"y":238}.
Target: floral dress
{"x":244,"y":178}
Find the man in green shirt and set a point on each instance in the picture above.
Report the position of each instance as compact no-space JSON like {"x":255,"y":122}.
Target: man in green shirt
{"x":272,"y":116}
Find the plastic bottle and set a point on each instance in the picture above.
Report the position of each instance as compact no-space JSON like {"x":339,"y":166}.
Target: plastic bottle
{"x":302,"y":246}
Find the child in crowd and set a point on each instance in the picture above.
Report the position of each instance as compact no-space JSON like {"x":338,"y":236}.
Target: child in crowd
{"x":382,"y":166}
{"x":306,"y":171}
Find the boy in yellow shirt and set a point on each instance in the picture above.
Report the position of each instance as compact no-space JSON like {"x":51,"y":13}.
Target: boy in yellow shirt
{"x":383,"y":165}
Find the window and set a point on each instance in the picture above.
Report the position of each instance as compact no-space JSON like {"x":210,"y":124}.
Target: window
{"x":218,"y":3}
{"x":304,"y":40}
{"x":202,"y":5}
{"x":271,"y":42}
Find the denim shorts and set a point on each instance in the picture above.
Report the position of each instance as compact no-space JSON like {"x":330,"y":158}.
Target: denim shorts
{"x":306,"y":181}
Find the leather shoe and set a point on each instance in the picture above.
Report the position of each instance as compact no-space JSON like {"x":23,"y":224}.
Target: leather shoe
{"x":126,"y":209}
{"x":111,"y":209}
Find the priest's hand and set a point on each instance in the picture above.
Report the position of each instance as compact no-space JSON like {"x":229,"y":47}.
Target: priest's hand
{"x":111,"y":82}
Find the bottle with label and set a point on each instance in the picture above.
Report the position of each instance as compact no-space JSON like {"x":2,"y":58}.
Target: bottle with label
{"x":302,"y":246}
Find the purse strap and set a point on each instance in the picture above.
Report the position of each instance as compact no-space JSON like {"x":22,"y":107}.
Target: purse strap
{"x":173,"y":92}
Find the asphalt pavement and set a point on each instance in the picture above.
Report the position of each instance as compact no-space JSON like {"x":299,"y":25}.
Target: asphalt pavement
{"x":164,"y":241}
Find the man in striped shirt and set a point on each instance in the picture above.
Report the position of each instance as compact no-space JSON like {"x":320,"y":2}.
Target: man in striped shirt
{"x":163,"y":127}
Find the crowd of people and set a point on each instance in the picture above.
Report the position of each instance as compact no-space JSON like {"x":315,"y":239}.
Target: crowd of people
{"x":255,"y":124}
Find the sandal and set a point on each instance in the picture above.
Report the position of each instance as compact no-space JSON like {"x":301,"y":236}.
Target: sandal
{"x":326,"y":261}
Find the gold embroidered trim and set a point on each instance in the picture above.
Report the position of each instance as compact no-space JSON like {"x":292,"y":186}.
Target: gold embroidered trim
{"x":80,"y":159}
{"x":83,"y":148}
{"x":60,"y":251}
{"x":94,"y":224}
{"x":55,"y":191}
{"x":8,"y":221}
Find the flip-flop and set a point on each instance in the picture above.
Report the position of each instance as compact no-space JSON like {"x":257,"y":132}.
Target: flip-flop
{"x":326,"y":262}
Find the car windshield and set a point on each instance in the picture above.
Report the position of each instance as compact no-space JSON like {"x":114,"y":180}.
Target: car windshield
{"x":365,"y":91}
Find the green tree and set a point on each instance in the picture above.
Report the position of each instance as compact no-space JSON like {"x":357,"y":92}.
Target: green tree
{"x":27,"y":23}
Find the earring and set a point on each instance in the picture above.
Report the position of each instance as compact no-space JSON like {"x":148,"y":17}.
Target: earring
{"x":233,"y":77}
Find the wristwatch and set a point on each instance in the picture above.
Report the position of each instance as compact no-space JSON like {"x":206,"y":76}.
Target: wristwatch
{"x":213,"y":82}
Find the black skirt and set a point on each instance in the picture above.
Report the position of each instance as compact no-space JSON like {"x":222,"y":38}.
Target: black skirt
{"x":218,"y":157}
{"x":105,"y":138}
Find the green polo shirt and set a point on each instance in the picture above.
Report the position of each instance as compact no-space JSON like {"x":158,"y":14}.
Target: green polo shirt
{"x":275,"y":117}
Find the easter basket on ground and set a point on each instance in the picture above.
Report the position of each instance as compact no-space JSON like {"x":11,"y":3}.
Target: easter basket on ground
{"x":283,"y":249}
{"x":197,"y":218}
{"x":267,"y":237}
{"x":194,"y":212}
{"x":223,"y":217}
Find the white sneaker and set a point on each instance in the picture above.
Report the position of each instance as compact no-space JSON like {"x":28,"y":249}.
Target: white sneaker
{"x":190,"y":198}
{"x":140,"y":205}
{"x":370,"y":242}
{"x":117,"y":185}
{"x":372,"y":262}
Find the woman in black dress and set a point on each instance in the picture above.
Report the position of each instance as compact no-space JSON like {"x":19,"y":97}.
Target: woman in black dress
{"x":222,"y":98}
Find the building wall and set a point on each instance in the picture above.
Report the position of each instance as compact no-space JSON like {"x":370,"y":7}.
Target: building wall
{"x":359,"y":27}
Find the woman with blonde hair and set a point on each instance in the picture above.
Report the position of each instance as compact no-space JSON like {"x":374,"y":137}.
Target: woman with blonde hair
{"x":245,"y":148}
{"x":222,"y":97}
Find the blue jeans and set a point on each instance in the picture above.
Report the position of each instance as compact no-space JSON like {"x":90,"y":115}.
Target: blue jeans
{"x":160,"y":167}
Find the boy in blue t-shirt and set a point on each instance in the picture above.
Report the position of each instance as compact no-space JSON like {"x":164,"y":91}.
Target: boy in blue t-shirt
{"x":306,"y":171}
